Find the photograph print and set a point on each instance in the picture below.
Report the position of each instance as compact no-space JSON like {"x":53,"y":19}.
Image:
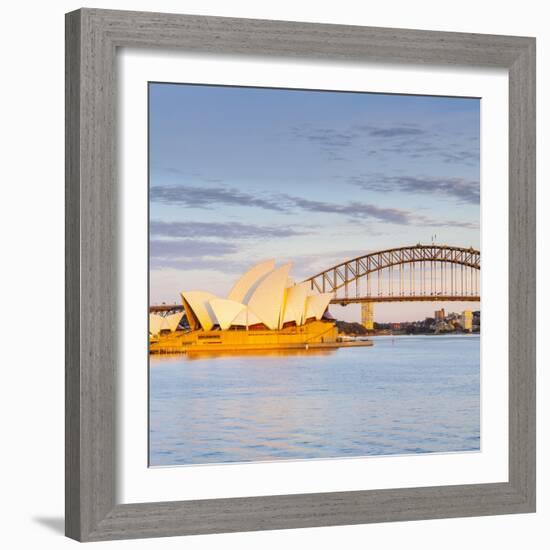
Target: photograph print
{"x":314,"y":274}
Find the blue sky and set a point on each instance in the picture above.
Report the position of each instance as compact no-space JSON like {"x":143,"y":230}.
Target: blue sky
{"x":242,"y":174}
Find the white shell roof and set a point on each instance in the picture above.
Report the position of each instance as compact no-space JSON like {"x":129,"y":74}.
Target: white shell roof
{"x":246,"y":318}
{"x":241,"y":289}
{"x":226,"y":311}
{"x":155,"y":323}
{"x":267,"y":300}
{"x":199,"y":303}
{"x":171,"y":322}
{"x":264,"y":294}
{"x":317,"y":304}
{"x":295,"y":304}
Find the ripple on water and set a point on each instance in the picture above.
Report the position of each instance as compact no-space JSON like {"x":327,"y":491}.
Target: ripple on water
{"x":415,"y":395}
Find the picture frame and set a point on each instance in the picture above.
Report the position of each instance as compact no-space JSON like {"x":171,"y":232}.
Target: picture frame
{"x":92,"y":39}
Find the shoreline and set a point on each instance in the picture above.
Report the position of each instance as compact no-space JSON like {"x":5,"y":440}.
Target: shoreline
{"x":173,"y":350}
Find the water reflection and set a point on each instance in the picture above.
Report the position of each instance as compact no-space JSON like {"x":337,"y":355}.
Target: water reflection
{"x":199,"y":356}
{"x":409,"y":395}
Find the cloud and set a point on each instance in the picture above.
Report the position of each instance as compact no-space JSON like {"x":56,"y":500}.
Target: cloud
{"x":361,"y":211}
{"x":331,"y":142}
{"x":189,"y":248}
{"x":406,"y":140}
{"x":344,"y":138}
{"x":392,"y":131}
{"x":226,"y":230}
{"x":457,"y":188}
{"x":204,"y":197}
{"x":428,"y":222}
{"x":353,"y":209}
{"x":430,"y":146}
{"x":327,"y":137}
{"x":358,"y":211}
{"x":183,"y":195}
{"x":333,"y":154}
{"x":464,"y":157}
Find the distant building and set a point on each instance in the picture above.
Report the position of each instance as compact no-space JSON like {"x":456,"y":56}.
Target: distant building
{"x":439,"y":314}
{"x":367,"y":315}
{"x":467,"y":317}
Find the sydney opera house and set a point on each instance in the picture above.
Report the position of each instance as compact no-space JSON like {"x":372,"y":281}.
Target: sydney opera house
{"x":264,"y":310}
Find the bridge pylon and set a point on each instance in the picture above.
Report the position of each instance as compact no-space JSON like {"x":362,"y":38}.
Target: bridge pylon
{"x":367,"y":315}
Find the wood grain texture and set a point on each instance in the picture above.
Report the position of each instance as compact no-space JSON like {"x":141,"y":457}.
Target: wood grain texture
{"x":92,"y":37}
{"x":72,"y":277}
{"x":522,"y":275}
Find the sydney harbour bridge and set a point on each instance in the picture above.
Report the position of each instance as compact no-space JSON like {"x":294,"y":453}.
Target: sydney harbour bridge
{"x":419,"y":273}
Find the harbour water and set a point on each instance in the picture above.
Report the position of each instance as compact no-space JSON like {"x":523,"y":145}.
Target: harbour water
{"x":404,"y":395}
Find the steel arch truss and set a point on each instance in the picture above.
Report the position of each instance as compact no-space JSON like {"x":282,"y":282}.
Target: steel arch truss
{"x":452,"y":272}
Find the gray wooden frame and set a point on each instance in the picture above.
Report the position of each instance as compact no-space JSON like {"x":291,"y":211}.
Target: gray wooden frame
{"x":92,"y":39}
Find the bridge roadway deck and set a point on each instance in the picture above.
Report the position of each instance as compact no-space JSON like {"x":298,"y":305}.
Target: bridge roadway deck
{"x":403,"y":298}
{"x":353,"y":300}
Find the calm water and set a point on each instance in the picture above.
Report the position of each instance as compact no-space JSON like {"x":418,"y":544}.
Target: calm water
{"x":408,"y":394}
